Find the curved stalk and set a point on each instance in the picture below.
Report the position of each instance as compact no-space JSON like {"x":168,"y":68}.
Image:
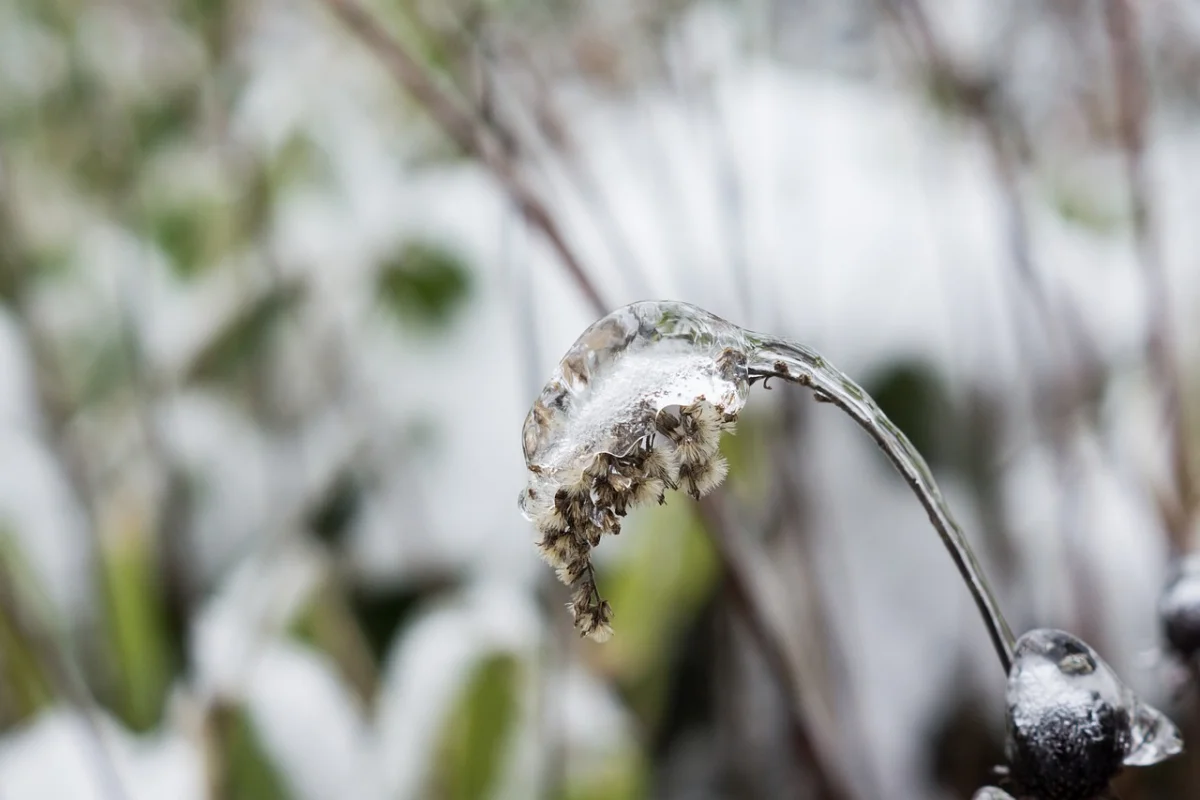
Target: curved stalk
{"x":778,"y":358}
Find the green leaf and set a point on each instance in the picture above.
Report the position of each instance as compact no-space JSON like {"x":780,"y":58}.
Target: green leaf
{"x":1085,"y":211}
{"x":247,"y":772}
{"x":24,"y":688}
{"x":245,"y":338}
{"x":99,"y":367}
{"x":424,"y":283}
{"x":329,"y":626}
{"x":183,"y":234}
{"x":623,"y":777}
{"x":299,"y":162}
{"x":669,"y":572}
{"x":137,"y":629}
{"x":169,"y":116}
{"x":473,"y":744}
{"x":211,"y":19}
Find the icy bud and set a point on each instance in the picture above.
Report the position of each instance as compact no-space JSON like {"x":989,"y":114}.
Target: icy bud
{"x":1179,"y":608}
{"x":635,"y":409}
{"x":1072,"y":723}
{"x":991,"y":793}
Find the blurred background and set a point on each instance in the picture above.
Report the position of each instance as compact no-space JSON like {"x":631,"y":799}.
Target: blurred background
{"x":279,"y":280}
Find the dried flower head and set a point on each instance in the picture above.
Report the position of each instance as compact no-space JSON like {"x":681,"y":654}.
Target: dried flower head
{"x":1072,"y":723}
{"x":1179,"y":608}
{"x":635,"y":409}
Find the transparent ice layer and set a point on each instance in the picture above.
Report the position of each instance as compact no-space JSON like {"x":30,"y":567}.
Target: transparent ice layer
{"x":607,"y":391}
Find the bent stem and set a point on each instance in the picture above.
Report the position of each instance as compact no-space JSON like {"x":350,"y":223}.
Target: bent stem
{"x":778,"y":358}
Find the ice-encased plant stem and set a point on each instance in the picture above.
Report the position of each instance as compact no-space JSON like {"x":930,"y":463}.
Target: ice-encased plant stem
{"x":636,"y":408}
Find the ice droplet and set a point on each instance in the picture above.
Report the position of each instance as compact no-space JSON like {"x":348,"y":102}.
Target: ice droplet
{"x":1072,"y":723}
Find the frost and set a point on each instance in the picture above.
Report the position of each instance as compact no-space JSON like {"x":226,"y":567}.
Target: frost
{"x":1072,"y":723}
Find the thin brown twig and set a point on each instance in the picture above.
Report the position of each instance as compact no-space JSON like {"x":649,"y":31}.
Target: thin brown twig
{"x":467,"y":132}
{"x":1132,"y":106}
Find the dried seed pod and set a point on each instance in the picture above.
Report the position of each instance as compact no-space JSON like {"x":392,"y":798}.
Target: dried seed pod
{"x":1072,"y":724}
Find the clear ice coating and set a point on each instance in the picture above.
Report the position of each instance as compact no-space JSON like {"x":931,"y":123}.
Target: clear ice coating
{"x":1179,"y":608}
{"x":1072,"y":723}
{"x":607,"y":390}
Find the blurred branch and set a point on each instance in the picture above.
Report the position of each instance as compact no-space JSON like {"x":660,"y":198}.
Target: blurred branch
{"x":466,"y":131}
{"x":1132,"y":101}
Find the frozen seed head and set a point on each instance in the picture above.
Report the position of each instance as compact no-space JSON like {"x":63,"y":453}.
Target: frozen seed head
{"x":635,"y":409}
{"x":1179,"y":608}
{"x":1072,"y":723}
